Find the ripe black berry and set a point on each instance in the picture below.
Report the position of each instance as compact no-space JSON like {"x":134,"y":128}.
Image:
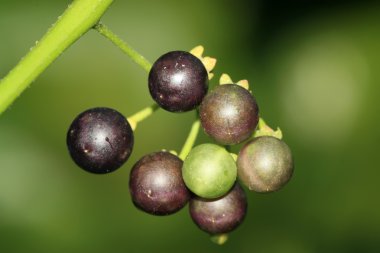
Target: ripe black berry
{"x":178,"y":81}
{"x":265,"y":164}
{"x":220,"y":215}
{"x":156,"y":184}
{"x":229,"y":114}
{"x":100,"y":140}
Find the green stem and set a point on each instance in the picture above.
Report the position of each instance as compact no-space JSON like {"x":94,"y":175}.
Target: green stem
{"x":189,"y":143}
{"x":141,"y":115}
{"x":125,"y":47}
{"x":79,"y":17}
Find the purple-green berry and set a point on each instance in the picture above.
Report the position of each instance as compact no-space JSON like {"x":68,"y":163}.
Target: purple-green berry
{"x":229,"y":114}
{"x":265,"y":164}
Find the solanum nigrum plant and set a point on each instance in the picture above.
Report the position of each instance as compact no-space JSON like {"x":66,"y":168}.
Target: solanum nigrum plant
{"x":229,"y":114}
{"x":209,"y":171}
{"x":221,"y":215}
{"x":178,"y":81}
{"x":156,"y":184}
{"x":100,"y":140}
{"x":265,"y":164}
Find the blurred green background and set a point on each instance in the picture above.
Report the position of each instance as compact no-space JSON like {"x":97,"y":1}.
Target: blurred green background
{"x":314,"y":67}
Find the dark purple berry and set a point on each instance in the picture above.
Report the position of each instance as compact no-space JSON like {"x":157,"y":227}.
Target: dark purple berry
{"x":100,"y":140}
{"x":220,"y":215}
{"x":229,"y":114}
{"x":178,"y":81}
{"x":156,"y":184}
{"x":265,"y":164}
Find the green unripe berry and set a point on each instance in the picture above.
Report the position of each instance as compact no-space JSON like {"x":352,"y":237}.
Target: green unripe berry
{"x":209,"y":171}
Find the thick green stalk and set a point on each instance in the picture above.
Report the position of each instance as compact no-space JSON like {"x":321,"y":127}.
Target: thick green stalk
{"x":78,"y":18}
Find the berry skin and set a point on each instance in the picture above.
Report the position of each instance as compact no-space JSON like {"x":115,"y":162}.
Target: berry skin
{"x":178,"y":81}
{"x":221,"y":215}
{"x":156,"y":184}
{"x":209,"y":171}
{"x":265,"y":164}
{"x":229,"y":114}
{"x":100,"y":140}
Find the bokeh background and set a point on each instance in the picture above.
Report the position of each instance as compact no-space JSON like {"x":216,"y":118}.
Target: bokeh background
{"x":314,"y":67}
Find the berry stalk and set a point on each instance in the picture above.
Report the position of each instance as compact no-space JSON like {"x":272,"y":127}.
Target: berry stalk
{"x":79,"y":17}
{"x":189,"y":143}
{"x":125,"y":47}
{"x":219,"y":239}
{"x":141,"y":115}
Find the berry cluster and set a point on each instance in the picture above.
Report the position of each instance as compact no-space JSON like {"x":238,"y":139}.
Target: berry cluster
{"x":100,"y":140}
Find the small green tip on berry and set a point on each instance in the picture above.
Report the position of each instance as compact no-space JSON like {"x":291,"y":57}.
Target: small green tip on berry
{"x":173,"y":152}
{"x":219,"y":239}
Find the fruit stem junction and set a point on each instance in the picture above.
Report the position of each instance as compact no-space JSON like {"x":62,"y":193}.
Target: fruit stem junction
{"x":141,"y":115}
{"x":264,"y":130}
{"x":189,"y":143}
{"x":219,"y":239}
{"x":125,"y":47}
